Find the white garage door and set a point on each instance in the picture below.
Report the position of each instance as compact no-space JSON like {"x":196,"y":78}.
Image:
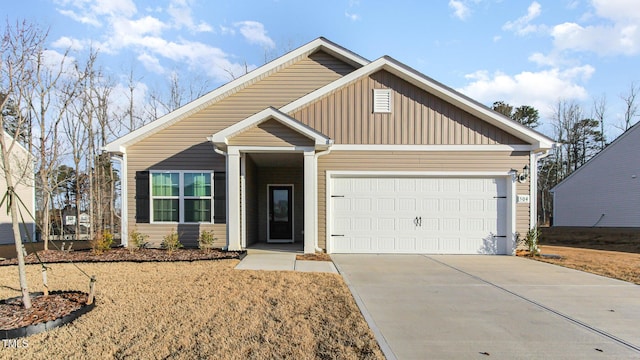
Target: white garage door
{"x":418,"y":215}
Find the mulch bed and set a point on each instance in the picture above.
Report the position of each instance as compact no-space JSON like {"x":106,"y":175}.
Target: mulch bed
{"x":314,"y":257}
{"x":121,"y":254}
{"x":43,"y":308}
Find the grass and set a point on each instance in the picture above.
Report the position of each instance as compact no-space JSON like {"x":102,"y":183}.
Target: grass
{"x":615,"y":264}
{"x":202,"y":309}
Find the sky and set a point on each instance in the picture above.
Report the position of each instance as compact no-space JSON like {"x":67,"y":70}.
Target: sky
{"x":520,"y":52}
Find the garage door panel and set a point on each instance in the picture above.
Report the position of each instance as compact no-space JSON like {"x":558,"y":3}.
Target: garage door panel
{"x":418,"y":215}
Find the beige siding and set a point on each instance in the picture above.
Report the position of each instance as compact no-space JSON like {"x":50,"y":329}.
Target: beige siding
{"x":271,"y":133}
{"x":417,"y":117}
{"x":184,"y":146}
{"x":420,"y":161}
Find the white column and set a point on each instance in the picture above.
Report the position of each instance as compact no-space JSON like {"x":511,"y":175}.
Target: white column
{"x":511,"y":214}
{"x":310,"y":178}
{"x":234,"y":222}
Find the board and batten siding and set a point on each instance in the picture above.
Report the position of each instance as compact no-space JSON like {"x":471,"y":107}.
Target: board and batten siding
{"x":183,"y":145}
{"x":435,"y":161}
{"x":416,"y":118}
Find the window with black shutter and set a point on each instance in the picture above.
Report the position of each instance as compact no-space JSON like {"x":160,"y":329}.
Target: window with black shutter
{"x":142,"y":197}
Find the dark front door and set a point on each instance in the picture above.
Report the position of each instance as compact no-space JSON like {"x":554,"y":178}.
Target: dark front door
{"x":280,"y":213}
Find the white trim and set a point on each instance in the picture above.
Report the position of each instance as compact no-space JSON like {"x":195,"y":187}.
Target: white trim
{"x":355,"y":147}
{"x":226,"y":90}
{"x":236,"y":150}
{"x":511,"y":214}
{"x":507,"y":176}
{"x":310,"y":204}
{"x":349,"y":173}
{"x":222,"y":137}
{"x":233,"y":203}
{"x":243,"y":200}
{"x":291,"y":211}
{"x":181,"y":197}
{"x":441,"y":91}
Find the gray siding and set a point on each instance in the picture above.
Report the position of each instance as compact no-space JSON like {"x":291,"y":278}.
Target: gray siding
{"x":605,"y":192}
{"x":417,"y":117}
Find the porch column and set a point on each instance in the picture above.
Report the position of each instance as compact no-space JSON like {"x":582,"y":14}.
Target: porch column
{"x":310,"y":178}
{"x":233,"y":200}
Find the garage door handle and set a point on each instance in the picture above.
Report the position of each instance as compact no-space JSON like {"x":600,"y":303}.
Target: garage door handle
{"x":417,"y":221}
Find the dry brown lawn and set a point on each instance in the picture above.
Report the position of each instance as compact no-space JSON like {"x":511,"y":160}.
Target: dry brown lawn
{"x":619,"y":265}
{"x":202,"y":309}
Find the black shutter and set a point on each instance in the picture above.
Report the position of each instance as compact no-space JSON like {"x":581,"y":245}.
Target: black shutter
{"x":142,"y":197}
{"x":219,"y":197}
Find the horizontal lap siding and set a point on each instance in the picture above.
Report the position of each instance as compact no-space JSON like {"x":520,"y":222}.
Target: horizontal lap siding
{"x":417,"y":117}
{"x":271,"y":133}
{"x":420,"y":161}
{"x":183,"y":146}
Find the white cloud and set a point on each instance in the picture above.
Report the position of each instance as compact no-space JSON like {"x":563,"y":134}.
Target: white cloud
{"x":151,"y":63}
{"x":255,"y":33}
{"x":460,"y":9}
{"x":66,"y":42}
{"x":602,"y":39}
{"x":539,"y":89}
{"x":89,"y":19}
{"x":180,"y":12}
{"x":522,"y":26}
{"x":352,"y":17}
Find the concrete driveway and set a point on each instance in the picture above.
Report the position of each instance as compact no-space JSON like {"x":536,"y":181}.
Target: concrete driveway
{"x":492,"y":307}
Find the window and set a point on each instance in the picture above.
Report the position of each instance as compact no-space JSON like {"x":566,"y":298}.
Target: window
{"x":382,"y":100}
{"x":181,"y":197}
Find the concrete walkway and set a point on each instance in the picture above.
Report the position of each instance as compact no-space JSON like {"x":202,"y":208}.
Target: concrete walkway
{"x":261,"y":259}
{"x":497,"y":307}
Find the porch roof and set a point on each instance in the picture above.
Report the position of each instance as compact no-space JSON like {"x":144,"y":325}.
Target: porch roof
{"x":221,"y":139}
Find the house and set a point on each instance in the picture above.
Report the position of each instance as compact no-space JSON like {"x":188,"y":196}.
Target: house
{"x":605,"y":191}
{"x":22,"y":168}
{"x":327,"y":149}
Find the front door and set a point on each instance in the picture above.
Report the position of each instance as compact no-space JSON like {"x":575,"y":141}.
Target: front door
{"x":280,"y":213}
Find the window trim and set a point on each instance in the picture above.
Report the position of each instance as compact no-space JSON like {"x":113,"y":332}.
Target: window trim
{"x":181,"y":196}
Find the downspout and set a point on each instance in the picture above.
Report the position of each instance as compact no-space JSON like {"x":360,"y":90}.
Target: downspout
{"x":124,"y":220}
{"x":315,"y":185}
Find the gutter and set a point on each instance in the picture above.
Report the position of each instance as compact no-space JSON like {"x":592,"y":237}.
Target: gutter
{"x":315,"y":185}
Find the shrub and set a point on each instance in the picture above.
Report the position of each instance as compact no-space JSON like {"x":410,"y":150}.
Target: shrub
{"x":171,"y":242}
{"x":137,"y":240}
{"x":102,"y":242}
{"x":206,"y":240}
{"x":531,"y":241}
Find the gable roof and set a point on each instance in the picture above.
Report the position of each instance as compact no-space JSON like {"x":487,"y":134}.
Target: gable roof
{"x":538,"y":140}
{"x":320,"y":44}
{"x":221,"y":138}
{"x":632,"y":130}
{"x":363,"y":68}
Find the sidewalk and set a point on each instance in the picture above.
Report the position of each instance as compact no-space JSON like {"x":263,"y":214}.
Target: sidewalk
{"x":282,"y":261}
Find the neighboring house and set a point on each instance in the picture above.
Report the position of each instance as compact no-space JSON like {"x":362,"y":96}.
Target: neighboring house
{"x":22,"y":168}
{"x":605,"y":191}
{"x":324,"y":148}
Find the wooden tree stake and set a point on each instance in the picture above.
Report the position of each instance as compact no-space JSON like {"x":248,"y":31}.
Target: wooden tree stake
{"x":92,"y":290}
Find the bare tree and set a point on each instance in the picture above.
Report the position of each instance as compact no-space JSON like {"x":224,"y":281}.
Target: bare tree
{"x":19,"y":46}
{"x":631,"y":101}
{"x":599,"y":114}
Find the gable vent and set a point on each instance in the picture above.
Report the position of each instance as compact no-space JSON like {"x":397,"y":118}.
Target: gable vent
{"x":381,"y":100}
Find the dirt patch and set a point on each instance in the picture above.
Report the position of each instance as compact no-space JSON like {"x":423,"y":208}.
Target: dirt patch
{"x":608,"y":239}
{"x":200,"y":309}
{"x":314,"y":257}
{"x":615,"y":264}
{"x":121,"y":254}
